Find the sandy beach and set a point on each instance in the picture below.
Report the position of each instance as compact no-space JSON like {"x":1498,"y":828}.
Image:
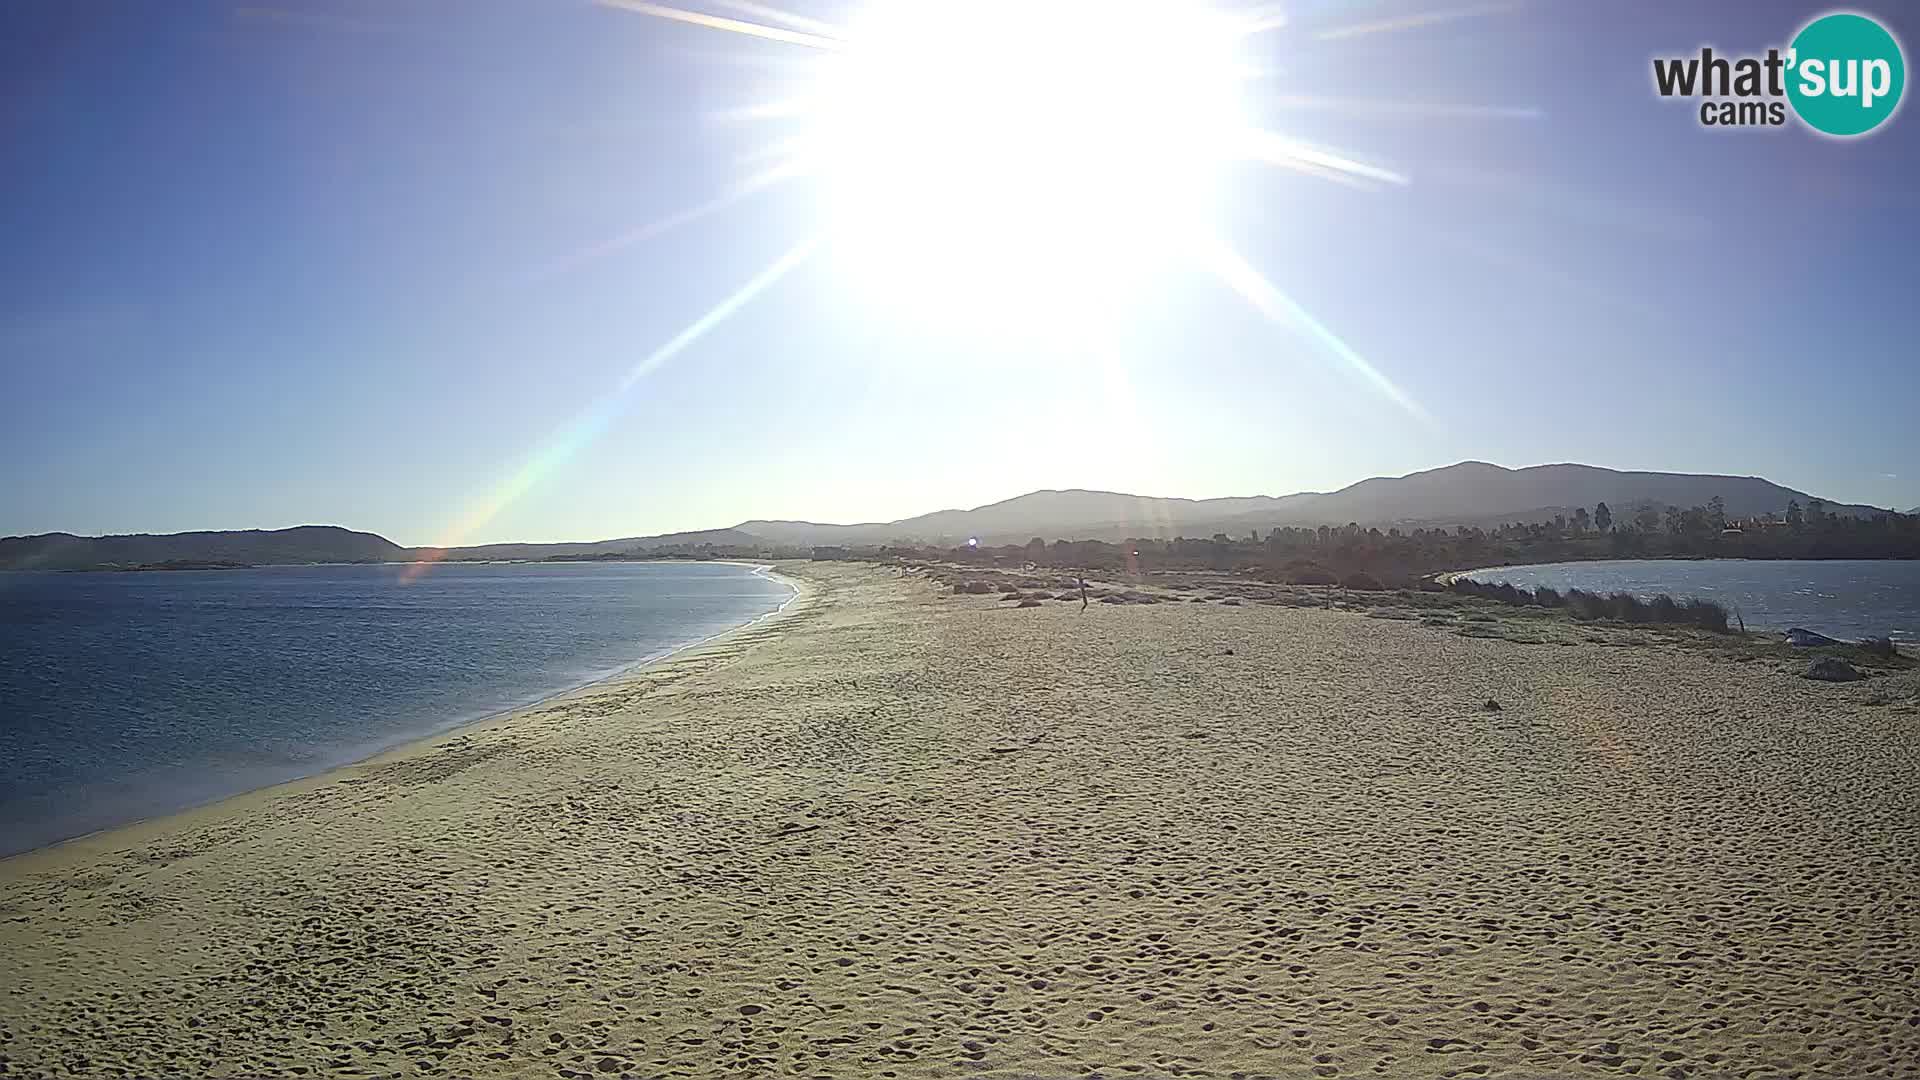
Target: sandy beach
{"x":894,"y":832}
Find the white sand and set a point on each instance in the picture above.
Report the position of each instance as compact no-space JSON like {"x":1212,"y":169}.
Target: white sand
{"x":901,"y":834}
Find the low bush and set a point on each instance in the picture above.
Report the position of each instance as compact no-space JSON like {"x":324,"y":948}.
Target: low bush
{"x":1311,"y":574}
{"x":1882,"y":647}
{"x":1618,"y":606}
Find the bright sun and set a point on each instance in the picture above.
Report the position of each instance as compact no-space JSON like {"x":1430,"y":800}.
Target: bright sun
{"x":1030,"y":168}
{"x":1020,"y":166}
{"x":1016,"y":155}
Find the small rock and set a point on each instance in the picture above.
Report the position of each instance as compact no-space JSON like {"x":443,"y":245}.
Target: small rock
{"x":1229,"y":652}
{"x":1830,"y":669}
{"x":1491,"y":705}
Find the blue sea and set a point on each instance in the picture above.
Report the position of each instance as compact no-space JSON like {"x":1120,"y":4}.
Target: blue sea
{"x":127,"y":695}
{"x":1843,"y":598}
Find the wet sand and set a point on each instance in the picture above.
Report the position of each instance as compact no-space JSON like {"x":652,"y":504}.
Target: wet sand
{"x":900,"y":833}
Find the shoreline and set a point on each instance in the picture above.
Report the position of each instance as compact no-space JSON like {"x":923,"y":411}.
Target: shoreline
{"x":899,"y":830}
{"x":431,"y":739}
{"x":1762,"y":599}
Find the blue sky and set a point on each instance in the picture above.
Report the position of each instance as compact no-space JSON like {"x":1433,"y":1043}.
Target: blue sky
{"x":336,"y":262}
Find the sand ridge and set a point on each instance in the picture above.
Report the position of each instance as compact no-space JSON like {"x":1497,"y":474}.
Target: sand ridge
{"x":901,"y":833}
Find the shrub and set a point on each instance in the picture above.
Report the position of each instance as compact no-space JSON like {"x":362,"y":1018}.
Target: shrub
{"x":1880,"y":646}
{"x":1705,"y":614}
{"x":1627,"y":608}
{"x":1620,"y":606}
{"x":1664,"y":610}
{"x":1312,"y":574}
{"x":1362,"y":580}
{"x":1586,"y":605}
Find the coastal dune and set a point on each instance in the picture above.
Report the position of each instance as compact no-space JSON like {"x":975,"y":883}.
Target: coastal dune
{"x":897,"y":832}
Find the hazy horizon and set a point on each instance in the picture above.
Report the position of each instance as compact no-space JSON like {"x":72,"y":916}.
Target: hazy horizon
{"x":455,"y":276}
{"x":932,"y":509}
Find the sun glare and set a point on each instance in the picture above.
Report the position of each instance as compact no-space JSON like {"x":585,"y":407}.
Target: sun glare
{"x":1012,"y":155}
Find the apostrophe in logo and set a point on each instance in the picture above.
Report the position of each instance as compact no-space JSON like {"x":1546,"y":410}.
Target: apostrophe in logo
{"x":1843,"y":76}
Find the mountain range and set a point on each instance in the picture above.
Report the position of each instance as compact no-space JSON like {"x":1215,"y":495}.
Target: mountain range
{"x":1469,"y":493}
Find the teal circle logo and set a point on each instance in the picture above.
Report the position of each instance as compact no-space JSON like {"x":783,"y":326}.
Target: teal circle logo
{"x":1845,"y":74}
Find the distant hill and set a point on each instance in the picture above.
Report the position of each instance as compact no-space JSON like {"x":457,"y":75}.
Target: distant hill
{"x":716,"y":537}
{"x":1474,"y":491}
{"x":1469,"y":493}
{"x":304,"y":544}
{"x":1072,"y":514}
{"x":808,"y":533}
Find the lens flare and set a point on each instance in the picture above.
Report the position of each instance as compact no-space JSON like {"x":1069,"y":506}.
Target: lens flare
{"x":594,"y":419}
{"x":1041,"y":156}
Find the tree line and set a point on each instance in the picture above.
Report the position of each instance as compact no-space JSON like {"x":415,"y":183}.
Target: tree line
{"x":1330,"y":554}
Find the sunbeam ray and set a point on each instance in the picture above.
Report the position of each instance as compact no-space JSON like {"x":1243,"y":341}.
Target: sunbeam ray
{"x":1239,"y":275}
{"x":786,"y":149}
{"x":719,"y":313}
{"x":1260,"y":19}
{"x":1414,"y":21}
{"x":789,"y":18}
{"x":782,"y":109}
{"x":1406,"y":108}
{"x":734,"y":26}
{"x":595,"y":418}
{"x":725,"y":199}
{"x":1276,"y":149}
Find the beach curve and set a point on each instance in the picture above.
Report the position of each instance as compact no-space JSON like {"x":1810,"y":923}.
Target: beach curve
{"x":901,"y":832}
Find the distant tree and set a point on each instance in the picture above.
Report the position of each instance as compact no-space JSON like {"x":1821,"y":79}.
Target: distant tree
{"x":1560,"y":523}
{"x":1647,"y":519}
{"x":1602,"y":517}
{"x":1794,"y":517}
{"x":1717,"y":512}
{"x":1582,"y":520}
{"x":1816,"y":513}
{"x":1676,"y":521}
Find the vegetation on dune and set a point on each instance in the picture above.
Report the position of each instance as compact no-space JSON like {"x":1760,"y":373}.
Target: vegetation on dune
{"x":1616,"y":606}
{"x":1394,"y":557}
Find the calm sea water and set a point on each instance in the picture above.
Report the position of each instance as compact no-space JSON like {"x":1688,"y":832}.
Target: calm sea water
{"x":1841,"y":598}
{"x":127,"y":695}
